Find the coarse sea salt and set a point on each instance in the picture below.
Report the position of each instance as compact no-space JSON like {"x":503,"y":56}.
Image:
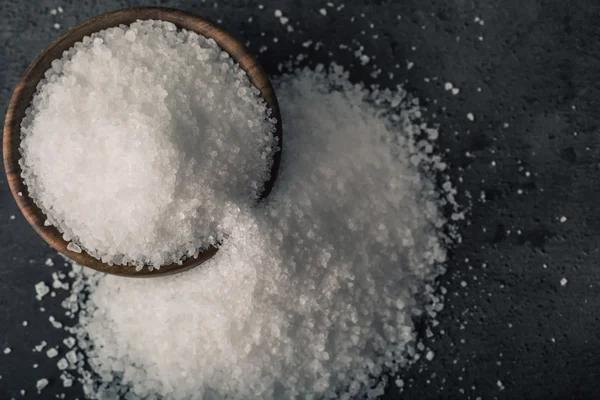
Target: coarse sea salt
{"x":313,"y":295}
{"x":143,"y":141}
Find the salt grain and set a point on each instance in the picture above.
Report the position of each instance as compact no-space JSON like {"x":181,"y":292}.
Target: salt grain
{"x":41,"y":384}
{"x":52,"y":352}
{"x":41,"y":289}
{"x":62,"y":364}
{"x":40,"y":346}
{"x":7,"y":350}
{"x":69,"y":342}
{"x":470,"y":117}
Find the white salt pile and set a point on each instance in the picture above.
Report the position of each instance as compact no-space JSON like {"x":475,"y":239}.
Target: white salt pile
{"x":143,"y":141}
{"x":313,"y":295}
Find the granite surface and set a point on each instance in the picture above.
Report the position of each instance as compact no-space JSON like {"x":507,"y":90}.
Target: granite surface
{"x":529,"y":75}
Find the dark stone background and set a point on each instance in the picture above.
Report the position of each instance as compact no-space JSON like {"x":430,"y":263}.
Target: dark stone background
{"x":537,"y":67}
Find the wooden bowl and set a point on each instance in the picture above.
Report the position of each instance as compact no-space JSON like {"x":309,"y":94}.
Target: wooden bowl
{"x":26,"y":88}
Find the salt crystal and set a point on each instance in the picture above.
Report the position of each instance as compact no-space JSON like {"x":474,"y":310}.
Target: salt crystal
{"x":52,"y":352}
{"x":7,"y":350}
{"x":470,"y":117}
{"x":69,"y":342}
{"x":54,"y":322}
{"x":41,"y":289}
{"x":563,"y":281}
{"x":40,"y":346}
{"x":62,"y":364}
{"x":323,"y":11}
{"x":73,"y":247}
{"x":41,"y":384}
{"x":563,"y":219}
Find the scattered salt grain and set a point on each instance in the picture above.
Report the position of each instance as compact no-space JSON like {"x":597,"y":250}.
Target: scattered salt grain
{"x":71,"y":357}
{"x":448,"y":86}
{"x":60,"y":9}
{"x":52,"y":352}
{"x":67,"y":379}
{"x":54,"y":322}
{"x":62,"y":364}
{"x":24,"y":323}
{"x":455,"y":91}
{"x":49,"y":262}
{"x":7,"y":350}
{"x":11,"y":217}
{"x":563,"y":281}
{"x":53,"y":11}
{"x":563,"y":219}
{"x":41,"y":384}
{"x":194,"y":122}
{"x":430,"y":355}
{"x":40,"y":346}
{"x":323,"y":11}
{"x":69,"y":342}
{"x":278,"y":13}
{"x":470,"y":117}
{"x":41,"y":289}
{"x":56,"y":26}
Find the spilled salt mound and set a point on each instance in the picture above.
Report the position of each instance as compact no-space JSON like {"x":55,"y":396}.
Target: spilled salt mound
{"x":313,"y":295}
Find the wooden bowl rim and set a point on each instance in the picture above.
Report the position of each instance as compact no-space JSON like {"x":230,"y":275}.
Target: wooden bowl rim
{"x":25,"y":90}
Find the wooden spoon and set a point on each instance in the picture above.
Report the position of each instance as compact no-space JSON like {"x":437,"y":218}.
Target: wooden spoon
{"x":26,"y":88}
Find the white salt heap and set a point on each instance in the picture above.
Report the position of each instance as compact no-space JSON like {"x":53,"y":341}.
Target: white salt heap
{"x":313,"y":295}
{"x":143,"y":141}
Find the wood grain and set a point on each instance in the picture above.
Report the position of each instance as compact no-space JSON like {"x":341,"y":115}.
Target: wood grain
{"x":25,"y":90}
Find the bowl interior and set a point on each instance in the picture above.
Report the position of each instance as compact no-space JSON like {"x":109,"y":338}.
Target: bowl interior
{"x":25,"y":90}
